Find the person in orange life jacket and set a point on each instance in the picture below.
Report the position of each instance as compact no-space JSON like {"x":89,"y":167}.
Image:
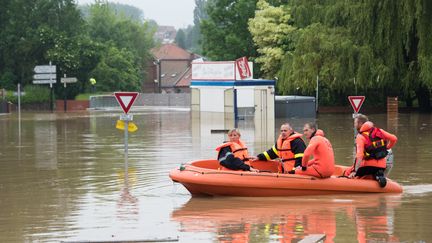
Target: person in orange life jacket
{"x":289,"y":147}
{"x":233,"y":154}
{"x":322,"y":165}
{"x":371,"y":150}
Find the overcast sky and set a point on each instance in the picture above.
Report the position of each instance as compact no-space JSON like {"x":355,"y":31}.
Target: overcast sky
{"x":177,"y":13}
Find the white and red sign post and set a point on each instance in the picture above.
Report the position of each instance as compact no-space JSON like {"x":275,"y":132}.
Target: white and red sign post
{"x":126,"y":100}
{"x":356,"y":103}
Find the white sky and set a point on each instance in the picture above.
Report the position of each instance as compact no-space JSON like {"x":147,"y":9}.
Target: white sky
{"x":177,"y":13}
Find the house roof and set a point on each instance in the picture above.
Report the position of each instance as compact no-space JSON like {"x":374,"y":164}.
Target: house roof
{"x":172,"y":51}
{"x":185,"y":79}
{"x":172,"y":71}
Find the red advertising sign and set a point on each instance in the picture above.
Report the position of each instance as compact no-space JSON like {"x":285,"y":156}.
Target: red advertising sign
{"x":126,"y":99}
{"x":243,"y":67}
{"x":356,"y":102}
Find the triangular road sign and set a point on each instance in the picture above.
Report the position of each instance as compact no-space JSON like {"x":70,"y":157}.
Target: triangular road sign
{"x":126,"y":99}
{"x":356,"y":102}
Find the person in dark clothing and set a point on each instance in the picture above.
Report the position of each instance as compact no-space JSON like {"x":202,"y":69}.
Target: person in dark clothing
{"x":233,"y":154}
{"x":289,"y":148}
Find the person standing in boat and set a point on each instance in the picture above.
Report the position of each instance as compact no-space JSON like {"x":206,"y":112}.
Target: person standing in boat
{"x":322,"y":165}
{"x":372,"y":144}
{"x":234,"y":154}
{"x":289,"y":147}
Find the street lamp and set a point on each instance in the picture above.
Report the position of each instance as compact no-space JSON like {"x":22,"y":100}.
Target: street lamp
{"x":159,"y":73}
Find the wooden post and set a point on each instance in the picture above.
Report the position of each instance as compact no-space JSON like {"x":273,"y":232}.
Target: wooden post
{"x":392,"y":114}
{"x":392,"y":105}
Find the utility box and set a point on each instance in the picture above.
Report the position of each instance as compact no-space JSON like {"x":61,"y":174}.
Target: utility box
{"x":295,"y":106}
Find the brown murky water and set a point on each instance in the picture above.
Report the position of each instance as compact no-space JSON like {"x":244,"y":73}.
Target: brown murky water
{"x":62,"y":179}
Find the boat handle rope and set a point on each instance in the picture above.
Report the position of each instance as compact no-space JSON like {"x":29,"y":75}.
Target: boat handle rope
{"x":277,"y":175}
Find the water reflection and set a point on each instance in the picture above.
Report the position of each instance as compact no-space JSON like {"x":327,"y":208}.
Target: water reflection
{"x":291,"y":220}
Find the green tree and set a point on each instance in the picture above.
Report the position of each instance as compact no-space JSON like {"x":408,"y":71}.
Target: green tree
{"x":116,"y":71}
{"x":23,"y":25}
{"x":225,"y":34}
{"x":272,"y":34}
{"x":383,"y":45}
{"x":180,"y":39}
{"x":119,"y":33}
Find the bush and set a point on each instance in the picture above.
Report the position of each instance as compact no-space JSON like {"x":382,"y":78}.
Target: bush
{"x":33,"y":94}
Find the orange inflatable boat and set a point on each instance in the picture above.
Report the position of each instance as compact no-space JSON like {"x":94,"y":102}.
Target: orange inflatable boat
{"x":204,"y":177}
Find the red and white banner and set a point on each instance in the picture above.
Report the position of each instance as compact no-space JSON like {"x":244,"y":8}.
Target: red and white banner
{"x":243,"y":67}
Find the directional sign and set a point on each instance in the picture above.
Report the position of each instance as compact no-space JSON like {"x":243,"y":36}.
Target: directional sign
{"x":126,"y":99}
{"x":44,"y":81}
{"x":45,"y":69}
{"x":68,"y":80}
{"x":45,"y":76}
{"x":356,"y":102}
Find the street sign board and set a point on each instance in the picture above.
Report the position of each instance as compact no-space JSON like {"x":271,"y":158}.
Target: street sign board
{"x":45,"y":69}
{"x":68,"y":80}
{"x":44,"y":81}
{"x":45,"y":76}
{"x":356,"y":102}
{"x":126,"y":99}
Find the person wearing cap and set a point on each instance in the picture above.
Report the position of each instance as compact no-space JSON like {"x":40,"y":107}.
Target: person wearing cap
{"x":233,"y":154}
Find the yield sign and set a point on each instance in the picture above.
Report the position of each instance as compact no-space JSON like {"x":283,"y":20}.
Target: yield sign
{"x":356,"y":102}
{"x":126,"y":99}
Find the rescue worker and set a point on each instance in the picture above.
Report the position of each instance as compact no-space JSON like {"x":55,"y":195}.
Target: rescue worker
{"x":322,"y":165}
{"x":93,"y":84}
{"x":233,"y":154}
{"x":289,"y":147}
{"x":371,"y":150}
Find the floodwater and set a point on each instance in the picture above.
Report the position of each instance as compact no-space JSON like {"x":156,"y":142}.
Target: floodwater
{"x":62,"y":179}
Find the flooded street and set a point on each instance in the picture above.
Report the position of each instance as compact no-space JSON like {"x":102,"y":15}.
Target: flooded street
{"x":62,"y":179}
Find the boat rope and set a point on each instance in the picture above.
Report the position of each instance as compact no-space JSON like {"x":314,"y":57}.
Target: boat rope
{"x":267,"y":174}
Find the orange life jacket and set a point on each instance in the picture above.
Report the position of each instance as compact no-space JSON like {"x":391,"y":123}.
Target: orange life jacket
{"x":376,"y":145}
{"x":238,"y":149}
{"x":284,"y":149}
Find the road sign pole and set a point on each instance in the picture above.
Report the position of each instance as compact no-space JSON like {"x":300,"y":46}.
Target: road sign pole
{"x":356,"y":103}
{"x":51,"y":87}
{"x":126,"y":135}
{"x":65,"y":100}
{"x":126,"y":100}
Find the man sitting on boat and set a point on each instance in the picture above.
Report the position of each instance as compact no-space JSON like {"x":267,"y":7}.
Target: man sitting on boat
{"x":289,"y":147}
{"x":371,"y":150}
{"x":322,"y":165}
{"x":233,"y":154}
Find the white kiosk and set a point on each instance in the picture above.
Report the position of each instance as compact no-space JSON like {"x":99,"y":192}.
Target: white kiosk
{"x":219,"y":96}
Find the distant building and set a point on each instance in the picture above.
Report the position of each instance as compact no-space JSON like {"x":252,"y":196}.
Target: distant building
{"x":171,"y":65}
{"x":165,"y":34}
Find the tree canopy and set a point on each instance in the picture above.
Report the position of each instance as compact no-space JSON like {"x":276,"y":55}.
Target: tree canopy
{"x":225,"y":34}
{"x":110,"y":46}
{"x":379,"y":48}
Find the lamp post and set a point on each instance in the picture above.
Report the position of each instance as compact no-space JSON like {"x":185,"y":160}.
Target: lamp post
{"x":159,"y":75}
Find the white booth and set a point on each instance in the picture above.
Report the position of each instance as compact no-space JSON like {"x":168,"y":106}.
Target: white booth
{"x":218,"y":88}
